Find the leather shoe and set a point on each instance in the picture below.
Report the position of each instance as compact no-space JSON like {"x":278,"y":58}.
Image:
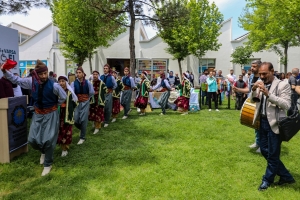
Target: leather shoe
{"x":283,"y":181}
{"x":263,"y":186}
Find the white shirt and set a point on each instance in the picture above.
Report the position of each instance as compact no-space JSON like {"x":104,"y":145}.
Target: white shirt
{"x":17,"y":91}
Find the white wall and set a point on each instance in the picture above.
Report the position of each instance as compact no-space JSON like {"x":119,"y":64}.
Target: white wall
{"x":22,"y":29}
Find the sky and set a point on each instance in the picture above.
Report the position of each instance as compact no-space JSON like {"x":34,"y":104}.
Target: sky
{"x":40,"y":17}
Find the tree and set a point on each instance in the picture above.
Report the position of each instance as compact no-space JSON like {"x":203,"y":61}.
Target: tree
{"x":242,"y":55}
{"x":20,"y":6}
{"x":271,"y":26}
{"x":173,"y":32}
{"x":82,"y":29}
{"x":134,"y":9}
{"x":204,"y":27}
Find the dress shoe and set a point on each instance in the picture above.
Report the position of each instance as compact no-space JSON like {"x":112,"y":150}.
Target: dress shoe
{"x":263,"y":186}
{"x":283,"y":181}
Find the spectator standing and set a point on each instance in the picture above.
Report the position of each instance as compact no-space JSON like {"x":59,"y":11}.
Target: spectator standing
{"x":212,"y":91}
{"x":245,"y":76}
{"x":171,"y":79}
{"x":51,"y":76}
{"x":192,"y":79}
{"x":294,"y":95}
{"x":203,"y":85}
{"x":220,"y":81}
{"x":240,"y":97}
{"x":177,"y":80}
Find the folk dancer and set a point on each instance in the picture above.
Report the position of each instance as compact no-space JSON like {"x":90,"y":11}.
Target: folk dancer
{"x":144,"y":86}
{"x":251,"y":81}
{"x":47,"y":96}
{"x":273,"y":94}
{"x":66,"y":116}
{"x":166,"y":88}
{"x":111,"y":84}
{"x":129,"y":85}
{"x":183,"y":100}
{"x":97,"y":106}
{"x":116,"y":96}
{"x":84,"y":91}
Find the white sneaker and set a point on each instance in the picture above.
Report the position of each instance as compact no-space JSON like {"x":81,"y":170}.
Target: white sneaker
{"x":142,"y":114}
{"x":217,"y":110}
{"x":129,"y":111}
{"x":105,"y":125}
{"x":46,"y":170}
{"x":209,"y":110}
{"x":64,"y":153}
{"x":93,"y":124}
{"x":254,"y":145}
{"x":42,"y":159}
{"x":80,"y":141}
{"x":113,"y":120}
{"x":258,"y":150}
{"x":96,"y":131}
{"x":161,"y":114}
{"x":138,"y":110}
{"x":185,"y":113}
{"x":125,"y":117}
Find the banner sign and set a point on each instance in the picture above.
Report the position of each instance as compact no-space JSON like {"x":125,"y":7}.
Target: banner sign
{"x":26,"y":65}
{"x":17,"y":122}
{"x":9,"y":47}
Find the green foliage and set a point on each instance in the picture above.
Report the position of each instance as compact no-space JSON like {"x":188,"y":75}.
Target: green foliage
{"x":203,"y":27}
{"x":202,"y":155}
{"x":189,"y":27}
{"x":21,"y":6}
{"x":242,"y":55}
{"x":82,"y":28}
{"x":173,"y":30}
{"x":271,"y":25}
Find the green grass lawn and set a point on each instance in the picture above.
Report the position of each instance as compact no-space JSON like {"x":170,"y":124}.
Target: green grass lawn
{"x":203,"y":155}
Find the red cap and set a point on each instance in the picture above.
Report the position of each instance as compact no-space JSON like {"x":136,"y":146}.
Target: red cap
{"x":9,"y":64}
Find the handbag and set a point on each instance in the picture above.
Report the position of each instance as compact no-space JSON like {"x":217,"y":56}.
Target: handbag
{"x":288,"y":126}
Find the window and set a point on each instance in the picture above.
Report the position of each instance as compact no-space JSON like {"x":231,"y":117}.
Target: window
{"x":206,"y":63}
{"x":57,"y":37}
{"x":23,"y":37}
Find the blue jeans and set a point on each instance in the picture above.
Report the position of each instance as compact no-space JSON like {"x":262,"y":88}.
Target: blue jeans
{"x":270,"y":146}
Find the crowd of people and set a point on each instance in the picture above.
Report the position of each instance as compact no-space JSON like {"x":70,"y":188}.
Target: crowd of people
{"x":58,"y":105}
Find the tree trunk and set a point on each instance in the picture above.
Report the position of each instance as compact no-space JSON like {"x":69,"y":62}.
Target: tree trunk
{"x":131,"y":38}
{"x":286,"y":47}
{"x":90,"y":63}
{"x":180,"y":69}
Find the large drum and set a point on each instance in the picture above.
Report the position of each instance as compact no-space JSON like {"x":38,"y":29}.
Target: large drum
{"x":247,"y":115}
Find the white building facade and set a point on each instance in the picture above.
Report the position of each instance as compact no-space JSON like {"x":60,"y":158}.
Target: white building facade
{"x":150,"y":54}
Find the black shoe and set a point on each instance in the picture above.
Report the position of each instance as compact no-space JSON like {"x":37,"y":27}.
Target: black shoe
{"x":283,"y":181}
{"x":263,"y":186}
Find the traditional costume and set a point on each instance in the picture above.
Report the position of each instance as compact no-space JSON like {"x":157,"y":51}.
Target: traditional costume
{"x":84,"y":91}
{"x":66,"y":118}
{"x":142,"y":101}
{"x":97,"y":106}
{"x":47,"y":96}
{"x":129,"y":85}
{"x":111,"y":84}
{"x":183,"y":100}
{"x":116,"y":99}
{"x":166,"y":88}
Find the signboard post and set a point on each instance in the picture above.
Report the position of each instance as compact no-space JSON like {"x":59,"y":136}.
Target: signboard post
{"x":13,"y":127}
{"x":9,"y":47}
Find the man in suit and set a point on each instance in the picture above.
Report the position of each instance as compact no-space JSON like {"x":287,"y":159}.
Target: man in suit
{"x":272,"y":93}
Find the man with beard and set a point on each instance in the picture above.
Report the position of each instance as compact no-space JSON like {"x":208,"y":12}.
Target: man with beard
{"x":252,"y":80}
{"x":47,"y":97}
{"x":84,"y":91}
{"x":129,"y":85}
{"x":111,"y":84}
{"x":240,"y":97}
{"x":166,"y":88}
{"x":274,"y":94}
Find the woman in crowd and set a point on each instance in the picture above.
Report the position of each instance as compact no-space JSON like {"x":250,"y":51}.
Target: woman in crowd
{"x":66,"y":116}
{"x":183,"y":100}
{"x":144,"y":87}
